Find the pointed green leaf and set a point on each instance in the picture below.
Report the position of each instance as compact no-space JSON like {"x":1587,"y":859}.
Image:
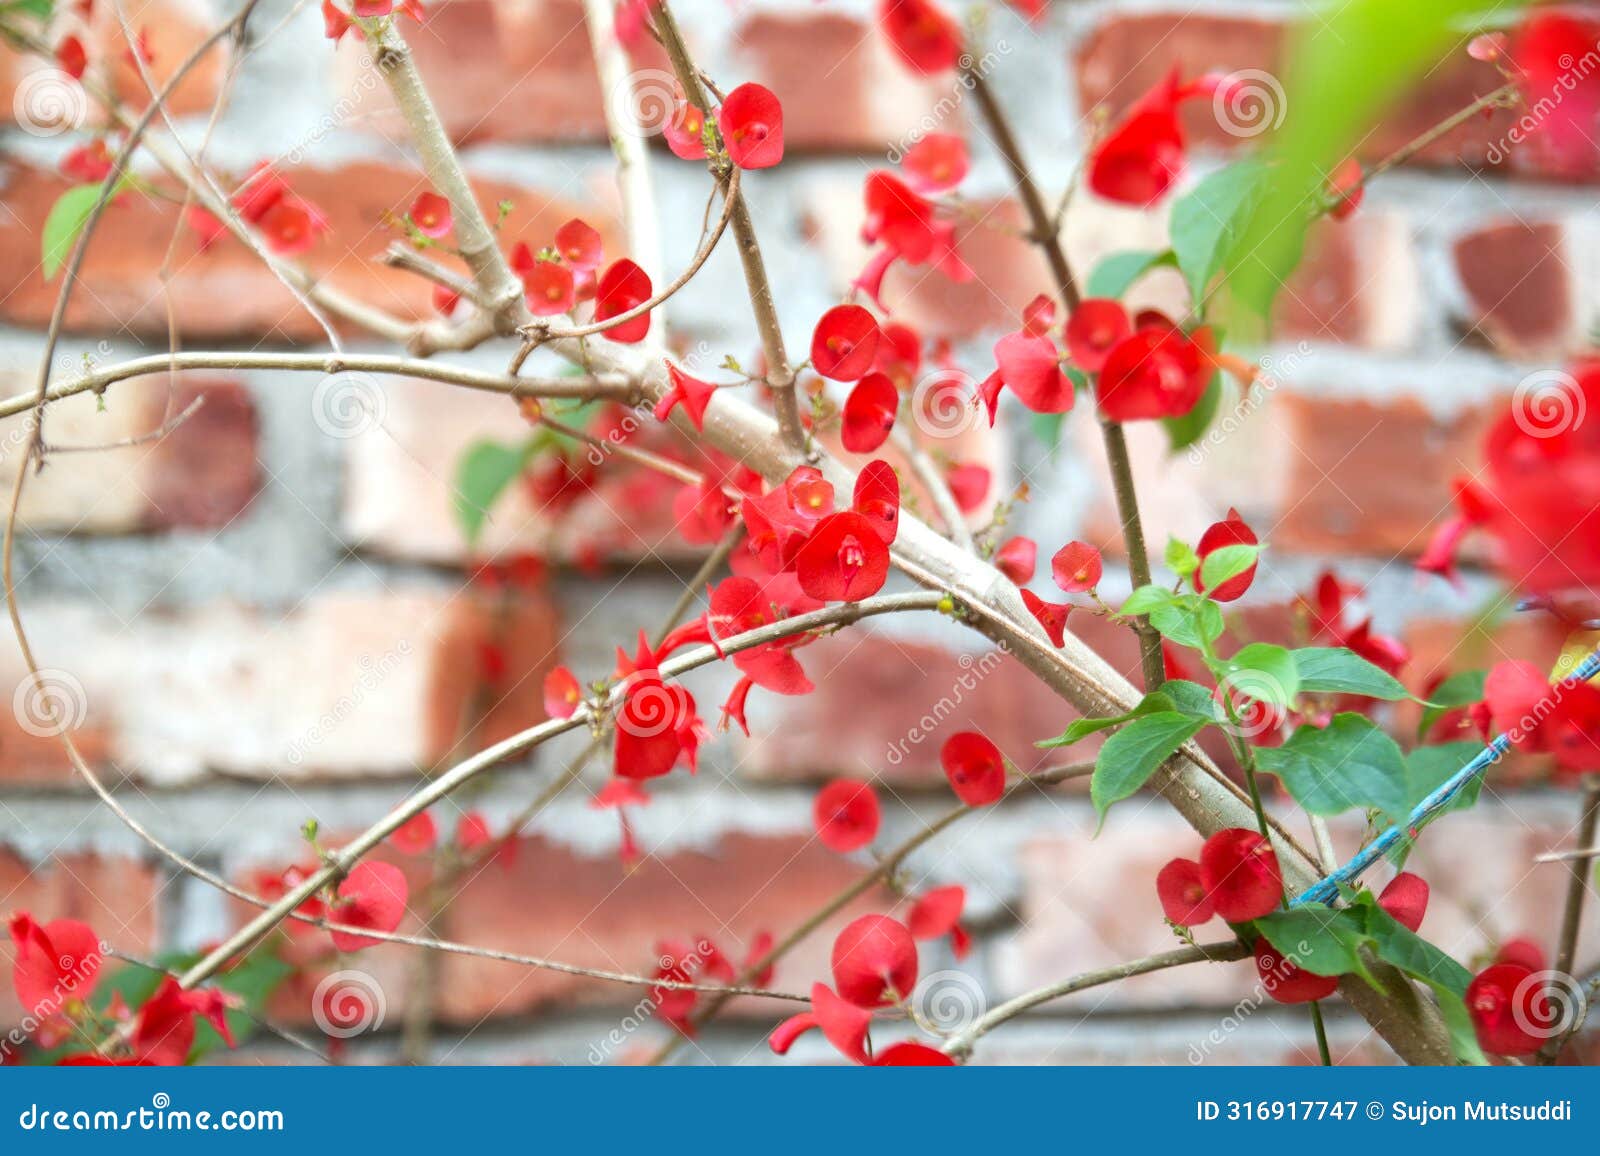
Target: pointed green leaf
{"x":1132,"y":755}
{"x":1264,"y":672}
{"x":482,"y":474}
{"x":1336,"y":670}
{"x":1461,"y":689}
{"x":1206,"y":222}
{"x":1228,"y":562}
{"x":1345,"y":765}
{"x":1116,"y":272}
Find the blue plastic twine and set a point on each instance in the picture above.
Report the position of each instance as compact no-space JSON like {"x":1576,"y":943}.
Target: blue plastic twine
{"x":1326,"y":890}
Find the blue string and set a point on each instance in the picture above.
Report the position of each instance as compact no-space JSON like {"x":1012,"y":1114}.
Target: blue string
{"x":1326,"y":890}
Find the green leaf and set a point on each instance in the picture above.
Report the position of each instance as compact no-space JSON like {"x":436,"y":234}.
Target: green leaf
{"x":1189,"y":620}
{"x":1462,"y":689}
{"x":1336,"y":670}
{"x":1116,"y":272}
{"x":482,"y":475}
{"x":1264,"y":672}
{"x":1347,"y":764}
{"x":65,"y":221}
{"x":1191,"y":698}
{"x":1047,"y":428}
{"x":1318,"y":939}
{"x":1181,"y":558}
{"x":1132,"y":755}
{"x":1147,"y":598}
{"x":1184,"y":431}
{"x":1427,"y":768}
{"x":1207,"y":221}
{"x":1228,"y":562}
{"x":1084,"y":727}
{"x":1414,"y":955}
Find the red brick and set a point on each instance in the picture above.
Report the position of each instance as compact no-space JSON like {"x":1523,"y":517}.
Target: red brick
{"x":507,"y":71}
{"x":1358,"y":285}
{"x":114,"y":895}
{"x":840,"y":86}
{"x":1520,"y":291}
{"x":1343,"y":494}
{"x":1128,"y":53}
{"x":345,"y":684}
{"x":226,"y":291}
{"x":597,"y":913}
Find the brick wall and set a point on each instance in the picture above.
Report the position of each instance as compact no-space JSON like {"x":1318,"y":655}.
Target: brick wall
{"x":264,"y":616}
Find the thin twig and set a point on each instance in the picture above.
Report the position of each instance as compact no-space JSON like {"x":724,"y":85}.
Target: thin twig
{"x":1572,"y":910}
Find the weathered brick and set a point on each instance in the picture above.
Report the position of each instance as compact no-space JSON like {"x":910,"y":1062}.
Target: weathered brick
{"x":202,"y":473}
{"x":117,"y":897}
{"x":345,"y":684}
{"x":1519,"y":287}
{"x":1359,"y":284}
{"x":226,"y":292}
{"x":1127,"y":53}
{"x":840,"y":86}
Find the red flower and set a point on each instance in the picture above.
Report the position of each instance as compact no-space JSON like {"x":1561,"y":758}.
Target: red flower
{"x":1154,"y":373}
{"x":561,"y":693}
{"x":869,"y":414}
{"x":431,"y":214}
{"x":877,"y":498}
{"x":335,"y":22}
{"x":846,"y":815}
{"x":1138,"y":161}
{"x":656,"y":726}
{"x":845,"y":559}
{"x":874,"y":961}
{"x":1508,"y":1004}
{"x":751,"y":123}
{"x":1031,"y":368}
{"x":975,"y":768}
{"x":1096,"y":327}
{"x":164,"y":1031}
{"x":1240,"y":871}
{"x":1016,"y":559}
{"x":844,"y":343}
{"x":780,"y":522}
{"x":691,"y":392}
{"x":1286,"y":981}
{"x":1231,"y":531}
{"x":1076,"y":567}
{"x":88,"y":163}
{"x":685,"y":131}
{"x":1521,"y":951}
{"x":291,"y":227}
{"x":372,"y":896}
{"x":1051,"y":615}
{"x":1563,"y":720}
{"x":926,"y":40}
{"x":205,"y":225}
{"x":843,"y":1023}
{"x":53,"y":963}
{"x":901,"y":219}
{"x":367,"y":9}
{"x":1183,"y":895}
{"x":1405,"y":899}
{"x":579,"y":244}
{"x":622,"y":287}
{"x":1568,"y":100}
{"x":969,"y":485}
{"x":912,"y":1054}
{"x":937,"y":163}
{"x":937,"y":913}
{"x":72,"y":57}
{"x":549,"y":289}
{"x":416,"y":836}
{"x":473,"y":832}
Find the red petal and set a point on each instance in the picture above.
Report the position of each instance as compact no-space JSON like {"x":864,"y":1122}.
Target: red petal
{"x":751,"y":123}
{"x":1240,"y":871}
{"x":846,"y":815}
{"x":869,"y":414}
{"x":1031,"y":368}
{"x":874,"y":961}
{"x":1076,"y":567}
{"x":374,"y":896}
{"x":416,"y":836}
{"x":1051,"y":615}
{"x":937,"y":912}
{"x":912,"y":1054}
{"x":580,"y":244}
{"x":975,"y":768}
{"x":844,"y":560}
{"x":1016,"y":559}
{"x":1406,"y":899}
{"x":1286,"y":982}
{"x":1183,"y":895}
{"x":937,"y":163}
{"x":1095,"y":328}
{"x":622,"y":287}
{"x":877,"y":498}
{"x":561,"y":693}
{"x":844,"y":343}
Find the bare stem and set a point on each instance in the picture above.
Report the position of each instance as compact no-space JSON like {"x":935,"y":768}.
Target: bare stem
{"x":1572,"y":911}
